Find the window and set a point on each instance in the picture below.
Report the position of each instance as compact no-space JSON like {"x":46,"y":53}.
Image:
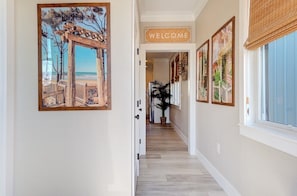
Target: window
{"x":268,"y":82}
{"x":175,"y":85}
{"x":175,"y":93}
{"x":172,"y":91}
{"x":279,"y":82}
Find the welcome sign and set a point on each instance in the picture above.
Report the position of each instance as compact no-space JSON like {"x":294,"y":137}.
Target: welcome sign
{"x":166,"y":35}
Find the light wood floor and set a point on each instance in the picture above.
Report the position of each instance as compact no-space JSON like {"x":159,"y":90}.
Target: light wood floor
{"x":168,"y":169}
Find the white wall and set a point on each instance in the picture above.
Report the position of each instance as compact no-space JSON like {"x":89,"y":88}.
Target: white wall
{"x":252,"y":168}
{"x":161,"y":70}
{"x":73,"y":153}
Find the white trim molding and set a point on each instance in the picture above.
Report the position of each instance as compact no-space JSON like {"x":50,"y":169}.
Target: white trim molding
{"x":3,"y":84}
{"x":198,"y":10}
{"x":221,"y":180}
{"x":7,"y":86}
{"x":161,"y":17}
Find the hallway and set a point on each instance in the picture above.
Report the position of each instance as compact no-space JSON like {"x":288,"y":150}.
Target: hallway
{"x":168,"y":169}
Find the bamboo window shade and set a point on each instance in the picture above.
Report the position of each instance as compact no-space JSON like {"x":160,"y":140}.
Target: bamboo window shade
{"x":270,"y":20}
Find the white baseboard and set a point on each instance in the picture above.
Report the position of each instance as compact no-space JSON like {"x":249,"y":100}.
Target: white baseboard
{"x":221,"y":180}
{"x":180,"y":134}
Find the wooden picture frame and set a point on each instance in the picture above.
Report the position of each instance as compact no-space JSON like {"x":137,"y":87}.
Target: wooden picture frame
{"x":202,"y":72}
{"x":177,"y":67}
{"x":184,"y":66}
{"x":74,"y":56}
{"x":222,"y":66}
{"x":172,"y":72}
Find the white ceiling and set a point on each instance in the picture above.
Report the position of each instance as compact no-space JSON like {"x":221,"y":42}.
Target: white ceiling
{"x":170,"y":10}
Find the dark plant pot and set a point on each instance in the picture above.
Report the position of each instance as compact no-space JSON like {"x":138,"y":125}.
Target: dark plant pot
{"x":163,"y":120}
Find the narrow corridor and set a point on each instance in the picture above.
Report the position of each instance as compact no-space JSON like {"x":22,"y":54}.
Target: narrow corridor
{"x":168,"y":169}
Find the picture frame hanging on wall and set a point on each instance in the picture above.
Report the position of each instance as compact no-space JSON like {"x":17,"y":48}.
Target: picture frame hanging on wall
{"x":202,"y":72}
{"x":74,"y":56}
{"x":222,"y":65}
{"x":184,"y":66}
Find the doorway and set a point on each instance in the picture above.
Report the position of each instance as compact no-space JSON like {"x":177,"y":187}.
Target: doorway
{"x":158,"y":79}
{"x":189,"y":94}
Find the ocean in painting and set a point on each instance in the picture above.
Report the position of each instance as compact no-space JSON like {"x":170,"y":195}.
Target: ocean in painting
{"x":86,"y":75}
{"x":78,"y":76}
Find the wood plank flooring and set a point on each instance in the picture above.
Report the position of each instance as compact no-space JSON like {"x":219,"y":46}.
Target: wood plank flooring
{"x":168,"y":169}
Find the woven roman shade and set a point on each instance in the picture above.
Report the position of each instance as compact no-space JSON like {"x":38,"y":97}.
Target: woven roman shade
{"x":270,"y":20}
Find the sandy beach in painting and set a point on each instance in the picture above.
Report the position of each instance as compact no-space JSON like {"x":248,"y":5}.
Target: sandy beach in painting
{"x":88,"y":82}
{"x":54,"y":93}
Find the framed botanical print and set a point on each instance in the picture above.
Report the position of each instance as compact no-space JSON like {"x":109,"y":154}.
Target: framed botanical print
{"x":222,"y":65}
{"x":202,"y":72}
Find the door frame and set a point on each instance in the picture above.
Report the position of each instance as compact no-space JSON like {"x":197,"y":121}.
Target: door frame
{"x":173,"y":47}
{"x":135,"y":98}
{"x":7,"y":99}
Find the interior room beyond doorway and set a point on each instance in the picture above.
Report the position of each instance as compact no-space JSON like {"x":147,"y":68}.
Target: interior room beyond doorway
{"x":172,"y":68}
{"x":182,"y":118}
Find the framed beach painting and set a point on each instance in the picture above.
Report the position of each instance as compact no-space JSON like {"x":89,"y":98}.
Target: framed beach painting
{"x":74,"y":56}
{"x":202,"y":72}
{"x":222,"y":65}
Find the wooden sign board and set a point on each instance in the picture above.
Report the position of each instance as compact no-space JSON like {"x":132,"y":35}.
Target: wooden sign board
{"x":166,"y":35}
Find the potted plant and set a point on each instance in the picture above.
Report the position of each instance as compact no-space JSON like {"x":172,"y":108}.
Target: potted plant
{"x":162,"y":93}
